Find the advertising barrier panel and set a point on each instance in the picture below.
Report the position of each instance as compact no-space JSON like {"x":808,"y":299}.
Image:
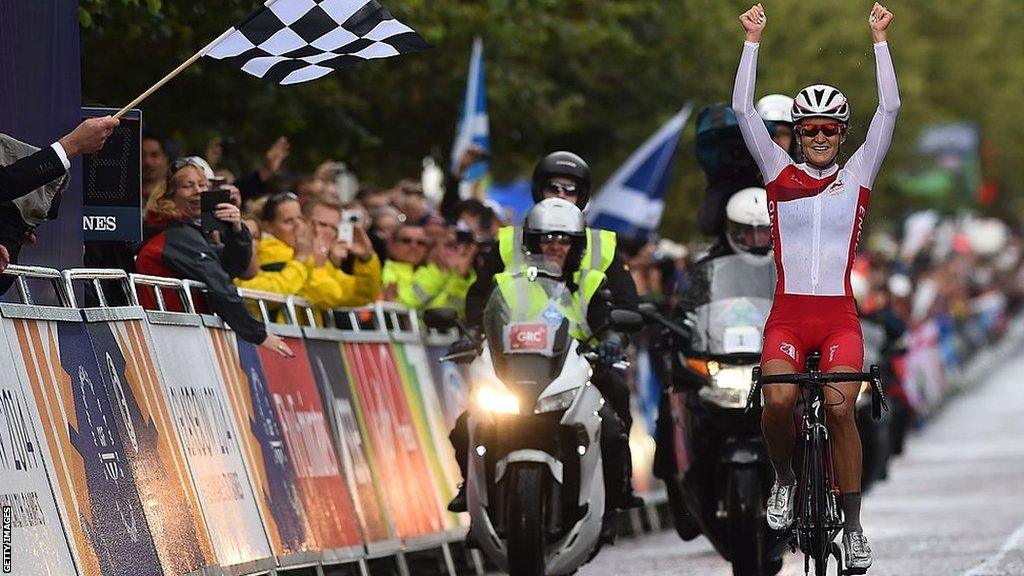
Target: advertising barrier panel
{"x":152,"y":447}
{"x":401,"y":469}
{"x":91,"y":468}
{"x":263,"y":445}
{"x":354,"y":448}
{"x":451,"y":382}
{"x":429,"y":419}
{"x":28,"y":510}
{"x":309,"y":445}
{"x":203,"y":419}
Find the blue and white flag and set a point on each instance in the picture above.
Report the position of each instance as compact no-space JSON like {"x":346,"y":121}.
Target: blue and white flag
{"x":474,"y":127}
{"x":633,"y":199}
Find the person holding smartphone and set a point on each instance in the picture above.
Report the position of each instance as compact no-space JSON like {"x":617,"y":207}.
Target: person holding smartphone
{"x":301,"y":254}
{"x":179,"y":247}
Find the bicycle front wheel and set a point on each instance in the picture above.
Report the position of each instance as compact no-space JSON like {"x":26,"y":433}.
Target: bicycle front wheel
{"x":820,"y":491}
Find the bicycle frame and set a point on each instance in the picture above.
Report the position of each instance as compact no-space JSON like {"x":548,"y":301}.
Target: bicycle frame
{"x":818,"y":515}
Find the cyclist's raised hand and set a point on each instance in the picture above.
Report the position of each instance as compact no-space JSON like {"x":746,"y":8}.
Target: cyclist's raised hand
{"x":879,"y":21}
{"x":753,"y":22}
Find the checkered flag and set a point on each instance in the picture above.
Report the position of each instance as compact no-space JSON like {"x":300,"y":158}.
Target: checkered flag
{"x":292,"y":41}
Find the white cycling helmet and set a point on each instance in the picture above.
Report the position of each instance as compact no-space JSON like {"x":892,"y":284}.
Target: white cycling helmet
{"x":748,"y":224}
{"x":821,"y":101}
{"x":776,"y":108}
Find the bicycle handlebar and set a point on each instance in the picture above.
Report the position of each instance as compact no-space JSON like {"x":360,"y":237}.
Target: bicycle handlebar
{"x":812,"y":377}
{"x":873,"y":377}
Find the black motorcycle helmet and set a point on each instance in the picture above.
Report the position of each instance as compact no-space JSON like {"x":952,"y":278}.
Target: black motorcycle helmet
{"x":564,"y":164}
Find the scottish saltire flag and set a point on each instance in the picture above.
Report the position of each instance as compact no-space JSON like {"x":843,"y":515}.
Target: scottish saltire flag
{"x":473,"y":127}
{"x":292,"y":41}
{"x":632,"y":200}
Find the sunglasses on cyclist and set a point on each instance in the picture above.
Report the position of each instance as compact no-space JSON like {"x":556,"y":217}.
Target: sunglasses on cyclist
{"x":829,"y":129}
{"x":561,"y":239}
{"x":561,"y":189}
{"x":409,"y":241}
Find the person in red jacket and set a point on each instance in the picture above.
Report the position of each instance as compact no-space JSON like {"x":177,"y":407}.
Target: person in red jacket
{"x":178,"y":248}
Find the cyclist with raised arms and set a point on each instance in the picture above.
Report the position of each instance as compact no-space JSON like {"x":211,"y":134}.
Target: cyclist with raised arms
{"x":817,"y":211}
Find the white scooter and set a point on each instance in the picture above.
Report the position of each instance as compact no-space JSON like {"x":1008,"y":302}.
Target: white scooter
{"x":535,"y":489}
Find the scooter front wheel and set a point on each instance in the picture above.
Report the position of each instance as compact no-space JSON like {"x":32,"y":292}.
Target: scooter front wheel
{"x":526,"y":520}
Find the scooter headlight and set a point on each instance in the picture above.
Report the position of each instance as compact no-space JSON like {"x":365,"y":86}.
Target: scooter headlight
{"x":495,"y":397}
{"x":730,"y":385}
{"x":556,"y":402}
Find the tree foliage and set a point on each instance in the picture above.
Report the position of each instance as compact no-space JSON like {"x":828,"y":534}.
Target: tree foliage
{"x":593,"y":76}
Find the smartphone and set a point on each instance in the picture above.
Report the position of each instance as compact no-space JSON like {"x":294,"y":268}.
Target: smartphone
{"x":211,"y":198}
{"x":354,"y":217}
{"x":208,"y":202}
{"x":346,"y":231}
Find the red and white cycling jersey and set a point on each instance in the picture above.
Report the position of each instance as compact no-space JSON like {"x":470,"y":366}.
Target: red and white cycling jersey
{"x":817,"y":215}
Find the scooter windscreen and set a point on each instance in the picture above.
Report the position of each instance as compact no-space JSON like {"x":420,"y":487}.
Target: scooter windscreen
{"x":527,"y":323}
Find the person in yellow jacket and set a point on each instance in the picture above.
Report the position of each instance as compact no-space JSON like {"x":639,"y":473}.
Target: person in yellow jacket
{"x":304,"y":256}
{"x":416,"y":280}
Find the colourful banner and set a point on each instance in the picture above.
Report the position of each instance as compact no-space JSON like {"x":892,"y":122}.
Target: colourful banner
{"x":203,"y":420}
{"x":37,"y":542}
{"x":354,"y":447}
{"x":386,"y":419}
{"x":106,"y":515}
{"x":263,"y":445}
{"x":430,"y":423}
{"x":310,"y":448}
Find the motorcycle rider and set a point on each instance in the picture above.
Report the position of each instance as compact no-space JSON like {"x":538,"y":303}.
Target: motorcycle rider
{"x":777,"y":111}
{"x":817,"y":212}
{"x":747,"y":226}
{"x":567,"y":176}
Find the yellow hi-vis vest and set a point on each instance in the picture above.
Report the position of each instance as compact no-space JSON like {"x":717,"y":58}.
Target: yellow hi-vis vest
{"x":527,"y":300}
{"x":598,"y":256}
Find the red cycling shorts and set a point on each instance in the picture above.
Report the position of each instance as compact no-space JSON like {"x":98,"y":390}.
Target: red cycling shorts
{"x":801,"y":324}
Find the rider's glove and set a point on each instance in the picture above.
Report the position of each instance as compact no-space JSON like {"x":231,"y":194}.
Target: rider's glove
{"x":610,"y":351}
{"x":463,"y":347}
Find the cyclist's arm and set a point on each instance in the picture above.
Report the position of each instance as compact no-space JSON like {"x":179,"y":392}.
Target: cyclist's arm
{"x":867,"y":160}
{"x":770,"y":158}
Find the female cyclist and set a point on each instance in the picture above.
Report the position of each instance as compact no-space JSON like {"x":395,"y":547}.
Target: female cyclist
{"x":817,"y":211}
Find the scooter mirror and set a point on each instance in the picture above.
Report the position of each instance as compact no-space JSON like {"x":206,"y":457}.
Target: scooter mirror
{"x":626,"y":321}
{"x":440,"y":319}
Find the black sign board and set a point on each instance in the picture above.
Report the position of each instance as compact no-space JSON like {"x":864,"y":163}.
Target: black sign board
{"x":113,"y":181}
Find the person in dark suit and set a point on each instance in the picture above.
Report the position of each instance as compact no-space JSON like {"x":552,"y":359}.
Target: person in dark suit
{"x":33,"y":171}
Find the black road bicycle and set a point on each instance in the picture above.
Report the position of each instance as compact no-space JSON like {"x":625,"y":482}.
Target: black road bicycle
{"x":818,"y":515}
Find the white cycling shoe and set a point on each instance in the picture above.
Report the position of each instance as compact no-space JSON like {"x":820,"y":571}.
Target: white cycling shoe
{"x":857,"y":552}
{"x":781,"y":502}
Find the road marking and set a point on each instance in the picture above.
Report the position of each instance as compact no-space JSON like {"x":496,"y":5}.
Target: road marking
{"x":1016,"y":540}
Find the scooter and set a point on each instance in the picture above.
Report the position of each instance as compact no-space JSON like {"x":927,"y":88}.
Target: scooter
{"x":535,"y":488}
{"x":712,"y":454}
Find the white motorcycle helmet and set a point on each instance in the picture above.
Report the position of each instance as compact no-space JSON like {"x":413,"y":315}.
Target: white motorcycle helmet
{"x":748,"y":224}
{"x":776,"y":108}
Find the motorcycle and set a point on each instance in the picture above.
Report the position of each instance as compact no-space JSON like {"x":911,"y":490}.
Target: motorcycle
{"x":535,"y":487}
{"x":875,"y":437}
{"x":711,"y":454}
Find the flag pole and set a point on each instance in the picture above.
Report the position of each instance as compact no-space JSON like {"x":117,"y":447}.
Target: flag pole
{"x":191,"y":60}
{"x":149,"y":91}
